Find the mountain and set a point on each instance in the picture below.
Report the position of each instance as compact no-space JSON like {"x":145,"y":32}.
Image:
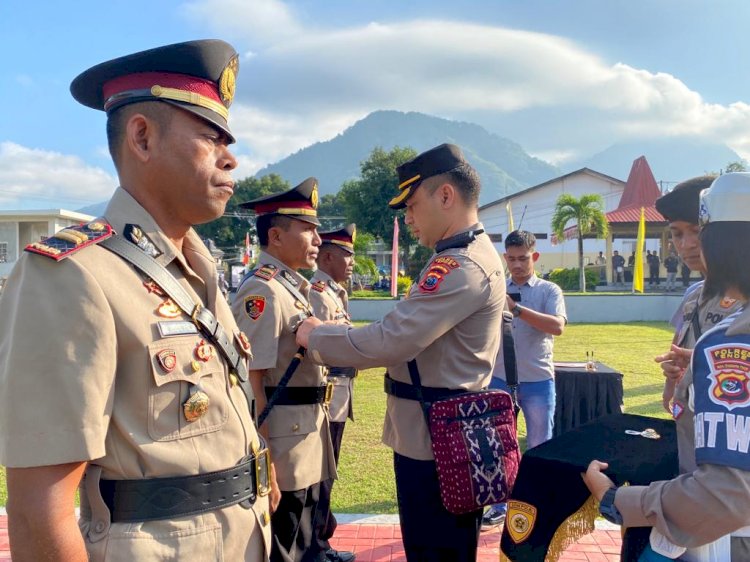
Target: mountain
{"x":502,"y":164}
{"x":671,"y":159}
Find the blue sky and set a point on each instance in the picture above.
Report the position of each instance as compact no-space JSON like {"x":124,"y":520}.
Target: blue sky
{"x":565,"y":79}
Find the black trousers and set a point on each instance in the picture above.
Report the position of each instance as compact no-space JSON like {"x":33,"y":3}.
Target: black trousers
{"x":325,"y":522}
{"x":653,"y":275}
{"x":293,"y":538}
{"x":429,"y":531}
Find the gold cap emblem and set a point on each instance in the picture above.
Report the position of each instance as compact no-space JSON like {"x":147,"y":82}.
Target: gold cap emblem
{"x":227,"y":81}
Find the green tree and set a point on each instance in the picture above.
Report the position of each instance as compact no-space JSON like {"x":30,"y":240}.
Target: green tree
{"x":228,"y":232}
{"x":366,"y":198}
{"x":737,"y":166}
{"x":588,"y":214}
{"x":364,"y":267}
{"x":331,"y":212}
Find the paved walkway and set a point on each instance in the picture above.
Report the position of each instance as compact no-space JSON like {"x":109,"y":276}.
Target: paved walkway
{"x":378,"y":539}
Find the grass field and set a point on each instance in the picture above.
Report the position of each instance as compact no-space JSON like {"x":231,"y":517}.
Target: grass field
{"x":366,"y":470}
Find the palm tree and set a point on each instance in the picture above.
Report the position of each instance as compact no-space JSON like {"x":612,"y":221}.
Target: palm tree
{"x":588,"y":214}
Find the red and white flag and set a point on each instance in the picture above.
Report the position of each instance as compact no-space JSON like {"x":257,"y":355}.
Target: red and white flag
{"x":246,"y":253}
{"x":394,"y":260}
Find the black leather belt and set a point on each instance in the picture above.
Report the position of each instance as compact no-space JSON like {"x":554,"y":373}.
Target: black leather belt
{"x":409,"y":392}
{"x":349,"y":372}
{"x":297,"y":395}
{"x":130,"y":501}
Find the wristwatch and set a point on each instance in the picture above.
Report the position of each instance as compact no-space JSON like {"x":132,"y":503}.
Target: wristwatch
{"x":516,"y":310}
{"x":607,"y":507}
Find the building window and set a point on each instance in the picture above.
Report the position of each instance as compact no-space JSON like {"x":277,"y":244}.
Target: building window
{"x":3,"y":252}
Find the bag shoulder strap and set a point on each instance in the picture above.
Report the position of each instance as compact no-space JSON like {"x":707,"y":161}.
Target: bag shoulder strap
{"x":417,"y":384}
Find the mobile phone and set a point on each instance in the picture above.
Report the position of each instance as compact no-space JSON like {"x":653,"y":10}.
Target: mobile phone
{"x":515,"y":296}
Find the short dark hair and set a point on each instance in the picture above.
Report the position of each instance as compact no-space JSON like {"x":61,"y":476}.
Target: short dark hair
{"x":159,"y":112}
{"x":520,"y":239}
{"x":466,"y":179}
{"x":726,"y":263}
{"x":264,"y":223}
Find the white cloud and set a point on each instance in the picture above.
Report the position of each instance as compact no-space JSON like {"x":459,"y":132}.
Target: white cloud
{"x":273,"y":136}
{"x":33,"y":177}
{"x":255,"y":20}
{"x":300,"y":85}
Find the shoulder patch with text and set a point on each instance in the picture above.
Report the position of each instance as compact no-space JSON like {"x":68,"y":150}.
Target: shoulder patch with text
{"x":318,"y":286}
{"x":254,"y":306}
{"x":729,"y":366}
{"x":436,"y":272}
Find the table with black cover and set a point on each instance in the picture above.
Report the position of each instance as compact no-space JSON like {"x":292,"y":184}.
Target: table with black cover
{"x":550,"y":489}
{"x":585,"y":395}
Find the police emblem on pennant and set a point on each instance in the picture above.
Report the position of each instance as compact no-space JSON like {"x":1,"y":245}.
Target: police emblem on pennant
{"x":167,"y":360}
{"x":729,"y":377}
{"x":520,"y":521}
{"x":254,"y":306}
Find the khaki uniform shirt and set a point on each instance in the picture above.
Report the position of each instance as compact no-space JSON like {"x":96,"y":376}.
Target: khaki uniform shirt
{"x":81,"y":380}
{"x":299,"y":436}
{"x":450,"y":323}
{"x":698,"y":507}
{"x":331,"y":303}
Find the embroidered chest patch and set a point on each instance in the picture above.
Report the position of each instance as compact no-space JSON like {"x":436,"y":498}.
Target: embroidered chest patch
{"x":254,"y":306}
{"x":436,"y":272}
{"x":729,"y":376}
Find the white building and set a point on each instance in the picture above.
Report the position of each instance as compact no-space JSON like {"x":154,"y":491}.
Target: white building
{"x":18,"y":229}
{"x":532,"y":210}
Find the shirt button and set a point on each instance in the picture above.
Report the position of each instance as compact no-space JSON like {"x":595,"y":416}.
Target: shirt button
{"x":99,"y":527}
{"x":295,"y":427}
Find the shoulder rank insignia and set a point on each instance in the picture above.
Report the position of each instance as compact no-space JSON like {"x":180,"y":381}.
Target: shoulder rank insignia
{"x":266,"y":272}
{"x":318,"y":286}
{"x":436,"y":272}
{"x":72,"y":239}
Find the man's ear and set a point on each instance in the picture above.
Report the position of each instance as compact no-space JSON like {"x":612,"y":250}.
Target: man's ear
{"x":535,"y":256}
{"x":274,"y":236}
{"x":140,"y":136}
{"x":447,"y":195}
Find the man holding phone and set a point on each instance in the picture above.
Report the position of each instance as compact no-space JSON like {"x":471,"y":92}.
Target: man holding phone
{"x":538,"y":314}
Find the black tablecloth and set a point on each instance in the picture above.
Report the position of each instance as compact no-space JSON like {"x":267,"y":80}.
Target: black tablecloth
{"x":549,"y":485}
{"x":583,"y":395}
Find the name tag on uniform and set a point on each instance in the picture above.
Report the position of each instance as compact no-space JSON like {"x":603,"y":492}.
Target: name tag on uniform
{"x":177,"y":328}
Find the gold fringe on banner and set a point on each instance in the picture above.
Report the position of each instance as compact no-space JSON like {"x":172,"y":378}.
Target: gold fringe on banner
{"x":579,"y":524}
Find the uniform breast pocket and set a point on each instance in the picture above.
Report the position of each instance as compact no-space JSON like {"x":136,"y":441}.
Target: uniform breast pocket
{"x":189,"y":394}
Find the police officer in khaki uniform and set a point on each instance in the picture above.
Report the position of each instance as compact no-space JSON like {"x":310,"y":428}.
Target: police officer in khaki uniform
{"x":707,"y":504}
{"x":331,"y":303}
{"x":698,"y":312}
{"x":269,"y":305}
{"x":106,"y":373}
{"x":450,"y":323}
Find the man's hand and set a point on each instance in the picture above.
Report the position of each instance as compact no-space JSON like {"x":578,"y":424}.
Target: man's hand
{"x":305,"y":329}
{"x":275,"y":497}
{"x":596,"y":481}
{"x":510,"y":304}
{"x":667,"y":394}
{"x":674,"y":362}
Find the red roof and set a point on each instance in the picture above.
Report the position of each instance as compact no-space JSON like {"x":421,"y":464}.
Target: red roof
{"x":640,"y":191}
{"x":633,"y":214}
